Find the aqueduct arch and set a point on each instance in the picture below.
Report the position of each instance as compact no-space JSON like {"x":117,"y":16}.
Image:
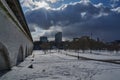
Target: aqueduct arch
{"x":4,"y":58}
{"x":20,"y":56}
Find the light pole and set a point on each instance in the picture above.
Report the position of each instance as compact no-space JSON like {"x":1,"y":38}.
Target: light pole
{"x":91,"y":42}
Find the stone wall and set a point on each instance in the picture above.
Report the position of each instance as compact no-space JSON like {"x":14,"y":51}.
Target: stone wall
{"x":15,"y":44}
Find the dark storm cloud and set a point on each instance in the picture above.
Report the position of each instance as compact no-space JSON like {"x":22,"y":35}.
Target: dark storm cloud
{"x":68,"y":14}
{"x":79,"y":19}
{"x":39,"y":17}
{"x":106,"y":28}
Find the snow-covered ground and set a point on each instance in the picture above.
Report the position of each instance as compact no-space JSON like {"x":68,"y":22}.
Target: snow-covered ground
{"x":57,"y":66}
{"x":99,"y":55}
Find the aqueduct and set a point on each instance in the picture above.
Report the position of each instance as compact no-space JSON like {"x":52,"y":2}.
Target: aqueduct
{"x":15,"y":39}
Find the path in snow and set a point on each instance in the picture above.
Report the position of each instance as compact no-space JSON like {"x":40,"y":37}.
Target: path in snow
{"x":57,"y":66}
{"x":108,"y":57}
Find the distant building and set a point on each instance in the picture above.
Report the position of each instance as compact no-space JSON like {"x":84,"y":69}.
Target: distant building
{"x":43,"y":39}
{"x":81,"y":38}
{"x":76,"y":39}
{"x":116,"y":42}
{"x":36,"y":45}
{"x":85,"y":37}
{"x":58,"y":37}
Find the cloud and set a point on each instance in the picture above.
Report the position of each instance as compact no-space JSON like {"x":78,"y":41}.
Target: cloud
{"x":41,"y":32}
{"x":68,"y":14}
{"x":115,"y":3}
{"x":116,"y":9}
{"x":27,"y":4}
{"x":77,"y":19}
{"x":106,"y":28}
{"x":53,"y":1}
{"x":31,"y":5}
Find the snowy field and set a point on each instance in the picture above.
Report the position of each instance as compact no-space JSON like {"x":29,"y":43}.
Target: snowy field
{"x":100,"y":55}
{"x":58,"y":66}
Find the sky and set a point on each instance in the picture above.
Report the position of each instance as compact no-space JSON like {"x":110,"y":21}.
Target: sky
{"x":74,"y":18}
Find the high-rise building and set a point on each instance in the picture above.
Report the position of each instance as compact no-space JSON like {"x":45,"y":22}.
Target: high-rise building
{"x":58,"y":37}
{"x":43,"y":39}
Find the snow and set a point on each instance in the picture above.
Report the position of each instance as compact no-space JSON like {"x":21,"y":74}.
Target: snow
{"x":100,"y":55}
{"x":58,"y":66}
